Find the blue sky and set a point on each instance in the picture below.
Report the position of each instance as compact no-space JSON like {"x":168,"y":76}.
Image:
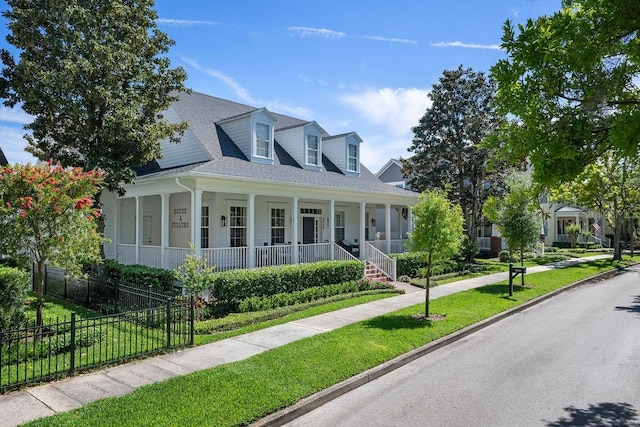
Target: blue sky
{"x":363,"y":66}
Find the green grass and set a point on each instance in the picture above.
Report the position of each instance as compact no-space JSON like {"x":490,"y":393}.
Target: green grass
{"x":54,"y":308}
{"x":240,"y":392}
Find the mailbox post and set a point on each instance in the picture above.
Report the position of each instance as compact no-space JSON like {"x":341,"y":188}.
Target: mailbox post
{"x":513,"y":272}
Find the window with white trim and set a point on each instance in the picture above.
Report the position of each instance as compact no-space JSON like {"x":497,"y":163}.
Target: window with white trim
{"x":263,"y":140}
{"x":204,"y":227}
{"x":312,"y":150}
{"x":352,"y":157}
{"x":237,"y":226}
{"x":339,"y":225}
{"x":277,"y":226}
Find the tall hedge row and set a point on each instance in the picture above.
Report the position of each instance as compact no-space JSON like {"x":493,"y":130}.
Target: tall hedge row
{"x":231,"y":287}
{"x":410,"y":263}
{"x":159,"y":279}
{"x":14,"y":284}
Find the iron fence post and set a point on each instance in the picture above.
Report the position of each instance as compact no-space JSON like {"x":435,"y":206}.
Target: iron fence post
{"x":72,"y":359}
{"x":65,"y":287}
{"x":192,"y":309}
{"x":168,"y":323}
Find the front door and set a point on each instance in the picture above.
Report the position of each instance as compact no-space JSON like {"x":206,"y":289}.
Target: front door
{"x":310,"y":228}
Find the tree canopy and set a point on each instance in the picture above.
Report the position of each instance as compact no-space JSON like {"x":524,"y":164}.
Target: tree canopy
{"x":47,"y":212}
{"x":515,"y":214}
{"x":437,"y":230}
{"x":446,"y":143}
{"x":570,"y":87}
{"x":93,"y":76}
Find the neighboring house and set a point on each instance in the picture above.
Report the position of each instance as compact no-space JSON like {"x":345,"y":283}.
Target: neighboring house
{"x":250,"y":187}
{"x":3,"y":159}
{"x":558,"y":216}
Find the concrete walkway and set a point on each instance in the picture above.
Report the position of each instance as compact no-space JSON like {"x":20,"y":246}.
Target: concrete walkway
{"x":74,"y":392}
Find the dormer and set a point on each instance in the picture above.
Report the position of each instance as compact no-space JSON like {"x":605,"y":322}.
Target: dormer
{"x":253,"y":133}
{"x":344,"y":151}
{"x":304,"y":143}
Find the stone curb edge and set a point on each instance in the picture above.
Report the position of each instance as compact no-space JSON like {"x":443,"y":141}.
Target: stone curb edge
{"x":318,"y":399}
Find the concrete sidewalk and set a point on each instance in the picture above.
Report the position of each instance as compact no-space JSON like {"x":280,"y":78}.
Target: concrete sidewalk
{"x":74,"y":392}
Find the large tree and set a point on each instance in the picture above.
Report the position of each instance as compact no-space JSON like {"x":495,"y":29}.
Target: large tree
{"x":437,"y":231}
{"x":516,"y":214}
{"x":570,"y":87}
{"x":47,"y":212}
{"x":94,"y":76}
{"x":446,"y":144}
{"x":610,"y":186}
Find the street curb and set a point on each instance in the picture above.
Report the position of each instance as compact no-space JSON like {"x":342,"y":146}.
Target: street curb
{"x":320,"y":398}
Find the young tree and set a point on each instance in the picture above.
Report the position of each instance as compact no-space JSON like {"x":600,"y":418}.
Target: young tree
{"x":611,"y":186}
{"x":515,"y":214}
{"x":574,"y":231}
{"x":47,"y":212}
{"x":446,"y":145}
{"x":94,"y":77}
{"x":570,"y":85}
{"x":437,"y":231}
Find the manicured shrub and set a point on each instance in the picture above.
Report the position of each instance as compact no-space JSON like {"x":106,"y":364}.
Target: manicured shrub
{"x":410,"y":263}
{"x":140,"y":275}
{"x":562,"y":245}
{"x":505,"y":256}
{"x":14,"y":284}
{"x":228,"y":288}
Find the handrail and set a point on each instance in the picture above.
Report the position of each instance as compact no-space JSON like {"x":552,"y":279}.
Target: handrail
{"x":384,"y":263}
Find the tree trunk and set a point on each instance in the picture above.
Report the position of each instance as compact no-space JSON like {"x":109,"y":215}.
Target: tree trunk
{"x":617,"y":250}
{"x":100,"y":223}
{"x":428,"y":282}
{"x":40,"y":292}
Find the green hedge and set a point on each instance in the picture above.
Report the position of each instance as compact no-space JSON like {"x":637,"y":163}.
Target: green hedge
{"x":231,"y":287}
{"x":141,"y":275}
{"x":307,"y":295}
{"x":14,"y":284}
{"x":414,"y":264}
{"x":583,"y":245}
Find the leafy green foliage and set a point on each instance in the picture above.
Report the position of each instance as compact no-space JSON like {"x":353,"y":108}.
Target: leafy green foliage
{"x":446,"y":145}
{"x":94,"y":77}
{"x":194,"y":273}
{"x":306,"y":295}
{"x":141,"y":275}
{"x":47,"y":212}
{"x":437,"y":231}
{"x":14,"y":284}
{"x":569,"y":86}
{"x":515,"y":215}
{"x":231,"y":287}
{"x":573,"y":231}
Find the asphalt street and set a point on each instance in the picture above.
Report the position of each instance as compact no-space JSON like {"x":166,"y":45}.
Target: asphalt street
{"x":571,"y":360}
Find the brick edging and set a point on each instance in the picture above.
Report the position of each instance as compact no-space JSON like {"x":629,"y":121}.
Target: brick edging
{"x":312,"y":402}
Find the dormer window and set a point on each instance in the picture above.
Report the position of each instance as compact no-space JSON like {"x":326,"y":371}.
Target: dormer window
{"x":312,"y":150}
{"x":352,"y":158}
{"x":263,"y":140}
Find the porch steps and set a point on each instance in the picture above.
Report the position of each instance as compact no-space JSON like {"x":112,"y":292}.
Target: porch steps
{"x":372,"y":272}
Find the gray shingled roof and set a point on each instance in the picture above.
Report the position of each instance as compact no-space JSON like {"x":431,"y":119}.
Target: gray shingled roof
{"x":202,"y":112}
{"x":3,"y":159}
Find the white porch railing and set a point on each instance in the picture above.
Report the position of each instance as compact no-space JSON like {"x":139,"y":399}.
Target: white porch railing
{"x":175,"y":257}
{"x":341,"y":254}
{"x":384,"y":263}
{"x":150,"y":256}
{"x":314,"y":252}
{"x":226,"y":258}
{"x":484,"y":243}
{"x":274,"y":255}
{"x":126,"y":254}
{"x":397,"y":245}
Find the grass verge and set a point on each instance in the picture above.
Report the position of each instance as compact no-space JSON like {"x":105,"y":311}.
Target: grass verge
{"x":240,"y":392}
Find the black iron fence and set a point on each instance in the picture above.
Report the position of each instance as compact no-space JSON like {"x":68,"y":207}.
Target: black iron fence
{"x":103,"y":295}
{"x":64,"y":347}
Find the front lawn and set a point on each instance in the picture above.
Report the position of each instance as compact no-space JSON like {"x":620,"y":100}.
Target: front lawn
{"x":241,"y":392}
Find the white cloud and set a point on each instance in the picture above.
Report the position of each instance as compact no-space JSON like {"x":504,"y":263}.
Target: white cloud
{"x":391,"y":39}
{"x":467,"y":45}
{"x":396,"y":110}
{"x":14,"y":115}
{"x":316,"y":32}
{"x":13,"y":145}
{"x":185,"y":22}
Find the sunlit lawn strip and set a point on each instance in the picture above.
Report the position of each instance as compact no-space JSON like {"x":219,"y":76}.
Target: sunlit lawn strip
{"x":240,"y":392}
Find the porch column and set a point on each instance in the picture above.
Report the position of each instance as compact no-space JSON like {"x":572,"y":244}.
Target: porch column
{"x":409,"y":219}
{"x":138,"y":227}
{"x":197,"y":222}
{"x":363,"y":206}
{"x":164,"y":228}
{"x":387,"y":226}
{"x":294,"y":231}
{"x":332,"y":228}
{"x":116,"y":226}
{"x":252,"y":230}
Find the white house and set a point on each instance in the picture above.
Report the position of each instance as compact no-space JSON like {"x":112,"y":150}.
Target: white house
{"x":250,"y":187}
